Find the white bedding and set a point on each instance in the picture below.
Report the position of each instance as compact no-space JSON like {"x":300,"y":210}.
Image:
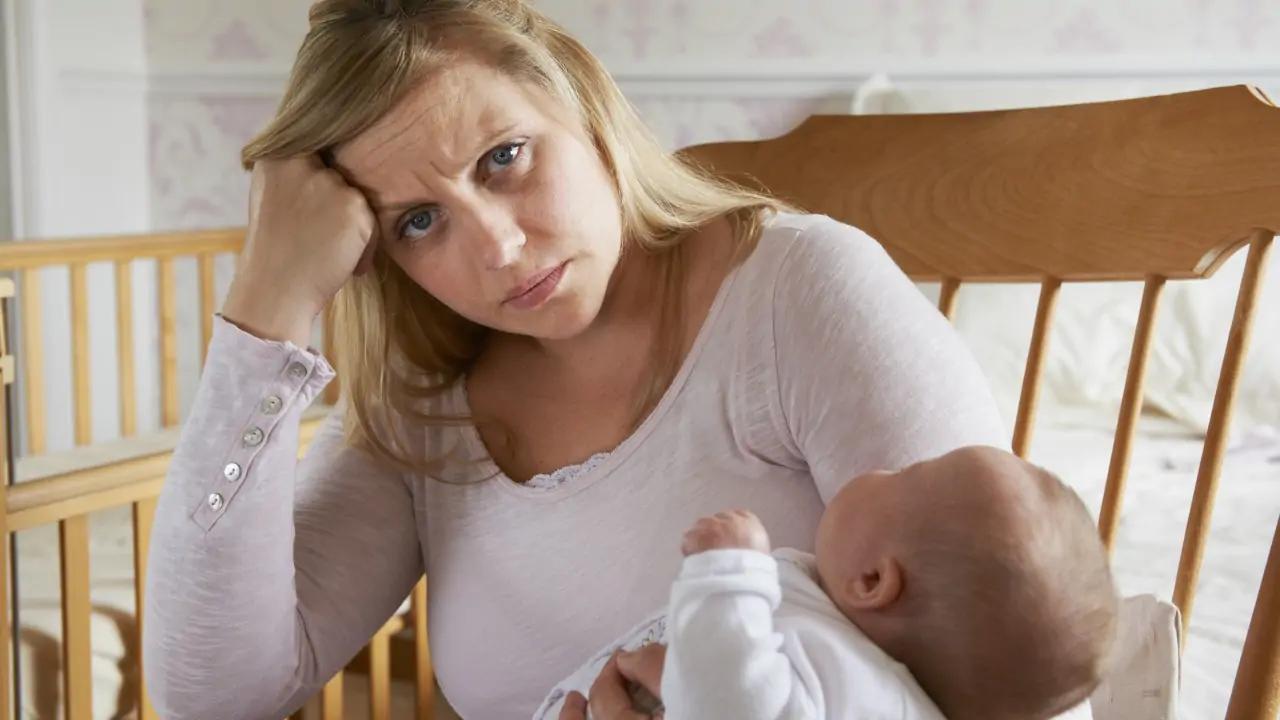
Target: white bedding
{"x":1148,"y":544}
{"x":1161,"y":480}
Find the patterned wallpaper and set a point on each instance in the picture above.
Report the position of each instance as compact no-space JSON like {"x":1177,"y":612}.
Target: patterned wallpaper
{"x":268,"y":30}
{"x":195,"y":139}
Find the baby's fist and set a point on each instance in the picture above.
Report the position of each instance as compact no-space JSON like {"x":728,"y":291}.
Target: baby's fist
{"x":739,"y":529}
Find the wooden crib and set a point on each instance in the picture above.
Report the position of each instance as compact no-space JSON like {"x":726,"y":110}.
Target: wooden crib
{"x":1152,"y":190}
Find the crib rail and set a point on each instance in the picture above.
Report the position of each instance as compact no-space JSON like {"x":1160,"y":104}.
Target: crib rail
{"x":67,"y":487}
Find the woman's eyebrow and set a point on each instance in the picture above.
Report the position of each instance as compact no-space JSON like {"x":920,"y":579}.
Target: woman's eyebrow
{"x":398,"y":207}
{"x":487,"y":143}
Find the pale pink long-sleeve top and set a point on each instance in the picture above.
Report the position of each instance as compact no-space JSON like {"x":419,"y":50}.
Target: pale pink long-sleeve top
{"x":819,"y":360}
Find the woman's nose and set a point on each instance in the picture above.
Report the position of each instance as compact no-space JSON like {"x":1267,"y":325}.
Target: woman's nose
{"x":497,"y":237}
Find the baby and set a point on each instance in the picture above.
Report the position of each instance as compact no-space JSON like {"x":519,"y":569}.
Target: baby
{"x":972,"y":586}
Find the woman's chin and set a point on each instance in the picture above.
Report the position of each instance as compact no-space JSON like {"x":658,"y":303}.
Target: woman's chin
{"x":563,"y":318}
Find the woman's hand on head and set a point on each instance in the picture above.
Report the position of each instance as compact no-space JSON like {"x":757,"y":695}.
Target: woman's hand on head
{"x":609,"y":697}
{"x":309,"y":231}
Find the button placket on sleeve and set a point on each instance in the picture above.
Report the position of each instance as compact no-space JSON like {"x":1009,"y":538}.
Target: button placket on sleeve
{"x":267,"y":413}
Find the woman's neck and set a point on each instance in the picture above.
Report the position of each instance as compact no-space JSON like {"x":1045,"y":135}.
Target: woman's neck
{"x":622,"y":323}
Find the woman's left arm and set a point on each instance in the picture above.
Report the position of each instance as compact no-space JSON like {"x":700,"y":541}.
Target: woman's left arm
{"x":870,"y":374}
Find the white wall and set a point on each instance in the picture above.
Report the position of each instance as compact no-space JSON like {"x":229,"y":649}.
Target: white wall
{"x":6,"y":179}
{"x":78,"y":69}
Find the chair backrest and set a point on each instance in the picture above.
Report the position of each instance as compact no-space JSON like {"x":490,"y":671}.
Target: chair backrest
{"x":1122,"y":190}
{"x":1148,"y":189}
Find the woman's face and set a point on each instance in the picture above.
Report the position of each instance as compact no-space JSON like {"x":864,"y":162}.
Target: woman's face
{"x":492,"y":198}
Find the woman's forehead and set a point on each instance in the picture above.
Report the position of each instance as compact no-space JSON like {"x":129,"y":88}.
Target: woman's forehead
{"x":447,"y":119}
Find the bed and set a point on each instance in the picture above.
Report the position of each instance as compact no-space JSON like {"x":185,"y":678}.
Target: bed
{"x":1001,"y":217}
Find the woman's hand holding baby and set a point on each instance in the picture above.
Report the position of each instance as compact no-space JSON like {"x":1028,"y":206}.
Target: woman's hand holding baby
{"x":610,"y":696}
{"x":737,"y":529}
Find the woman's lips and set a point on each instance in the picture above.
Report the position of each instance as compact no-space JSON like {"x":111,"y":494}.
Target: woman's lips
{"x":537,"y":289}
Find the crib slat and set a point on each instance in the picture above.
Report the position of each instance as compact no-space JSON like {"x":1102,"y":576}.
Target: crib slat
{"x":380,"y":676}
{"x":81,"y":353}
{"x":1256,"y":694}
{"x":1030,"y":398}
{"x":7,"y":646}
{"x":424,"y":685}
{"x":124,"y":349}
{"x":77,"y":678}
{"x":331,"y":702}
{"x":169,"y":411}
{"x":947,"y":298}
{"x":144,"y":512}
{"x":1215,"y":444}
{"x":7,"y":709}
{"x":208,"y":301}
{"x":33,"y":360}
{"x":1130,"y":408}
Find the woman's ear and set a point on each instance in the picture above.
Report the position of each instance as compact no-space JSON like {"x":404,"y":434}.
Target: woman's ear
{"x":874,"y":587}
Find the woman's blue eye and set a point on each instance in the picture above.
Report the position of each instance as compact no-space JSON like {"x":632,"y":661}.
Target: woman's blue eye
{"x":417,"y":224}
{"x":505,"y":155}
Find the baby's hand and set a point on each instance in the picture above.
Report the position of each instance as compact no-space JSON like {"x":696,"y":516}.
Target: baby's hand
{"x":737,"y":529}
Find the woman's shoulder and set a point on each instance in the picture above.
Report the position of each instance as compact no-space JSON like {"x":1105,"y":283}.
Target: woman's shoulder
{"x":814,"y":243}
{"x":801,"y":257}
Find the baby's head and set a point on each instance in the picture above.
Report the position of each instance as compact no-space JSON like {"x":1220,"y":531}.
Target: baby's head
{"x":980,"y":572}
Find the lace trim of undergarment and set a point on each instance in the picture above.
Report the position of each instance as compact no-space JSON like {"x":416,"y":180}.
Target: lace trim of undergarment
{"x":548,"y":481}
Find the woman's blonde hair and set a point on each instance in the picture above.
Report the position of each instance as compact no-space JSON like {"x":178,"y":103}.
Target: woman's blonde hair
{"x":393,"y":345}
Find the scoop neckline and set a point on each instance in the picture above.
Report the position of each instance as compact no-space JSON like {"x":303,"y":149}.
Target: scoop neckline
{"x":581,"y":481}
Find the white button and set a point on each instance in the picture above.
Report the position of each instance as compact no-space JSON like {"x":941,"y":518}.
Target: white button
{"x":231,"y":472}
{"x":298,"y":370}
{"x":215,"y":501}
{"x":253,"y":437}
{"x":271,"y":405}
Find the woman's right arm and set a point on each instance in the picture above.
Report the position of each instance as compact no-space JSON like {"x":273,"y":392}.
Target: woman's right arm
{"x":266,"y":574}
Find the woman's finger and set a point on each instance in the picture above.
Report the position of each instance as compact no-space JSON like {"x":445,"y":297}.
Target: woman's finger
{"x":644,"y":667}
{"x":608,"y":698}
{"x":574,"y":708}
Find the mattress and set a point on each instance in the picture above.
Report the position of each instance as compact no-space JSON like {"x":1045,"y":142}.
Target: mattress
{"x":1076,"y":447}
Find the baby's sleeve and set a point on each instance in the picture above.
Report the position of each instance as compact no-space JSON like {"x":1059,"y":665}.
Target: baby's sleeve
{"x":724,"y":657}
{"x":870,"y":376}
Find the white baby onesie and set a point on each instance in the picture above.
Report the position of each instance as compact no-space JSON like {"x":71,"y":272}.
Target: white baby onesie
{"x":752,"y":636}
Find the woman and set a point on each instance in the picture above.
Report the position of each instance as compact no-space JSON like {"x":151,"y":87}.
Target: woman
{"x":558,"y":346}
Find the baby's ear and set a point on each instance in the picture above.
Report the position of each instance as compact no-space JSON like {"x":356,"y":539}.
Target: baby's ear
{"x":874,"y":587}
